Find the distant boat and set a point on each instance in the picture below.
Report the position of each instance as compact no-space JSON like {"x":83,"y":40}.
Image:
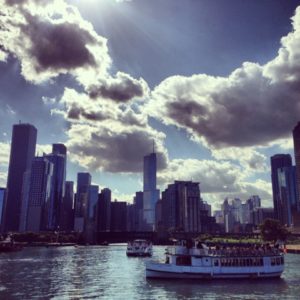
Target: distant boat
{"x":8,"y":245}
{"x":139,"y":248}
{"x":188,"y":260}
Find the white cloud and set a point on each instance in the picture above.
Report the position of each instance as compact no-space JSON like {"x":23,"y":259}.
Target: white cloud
{"x":254,"y":105}
{"x":249,"y":158}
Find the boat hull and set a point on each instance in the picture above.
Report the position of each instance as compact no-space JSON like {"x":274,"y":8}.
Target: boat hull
{"x":167,"y":271}
{"x":139,"y":254}
{"x":167,"y":275}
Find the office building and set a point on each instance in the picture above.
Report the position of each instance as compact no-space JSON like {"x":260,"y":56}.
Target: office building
{"x":278,"y":161}
{"x":57,"y":190}
{"x":67,"y":213}
{"x":181,"y":206}
{"x":104,"y":210}
{"x":81,"y":200}
{"x":287,"y":196}
{"x":2,"y":198}
{"x":118,"y":216}
{"x":150,"y":193}
{"x":39,"y":194}
{"x":21,"y":155}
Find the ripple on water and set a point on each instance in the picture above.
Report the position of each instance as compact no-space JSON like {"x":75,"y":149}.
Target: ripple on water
{"x":107,"y":273}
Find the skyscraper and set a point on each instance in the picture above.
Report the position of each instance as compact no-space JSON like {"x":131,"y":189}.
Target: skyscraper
{"x":181,"y":205}
{"x":39,"y":194}
{"x":278,"y":161}
{"x":21,"y":155}
{"x":57,"y":189}
{"x":81,"y":201}
{"x":104,"y":210}
{"x":287,"y":198}
{"x":150,"y":194}
{"x":296,"y":138}
{"x":118,"y":219}
{"x":67,"y":212}
{"x":2,"y":197}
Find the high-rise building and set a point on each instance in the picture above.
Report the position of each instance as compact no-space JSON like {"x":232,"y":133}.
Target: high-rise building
{"x":2,"y":198}
{"x":39,"y":194}
{"x":138,"y":211}
{"x":150,"y":194}
{"x":57,"y":189}
{"x":287,"y":197}
{"x":21,"y":155}
{"x":91,"y":218}
{"x":278,"y":161}
{"x":104,"y":210}
{"x":181,"y":207}
{"x":81,"y":200}
{"x":118,"y":221}
{"x":296,"y":138}
{"x":67,"y":213}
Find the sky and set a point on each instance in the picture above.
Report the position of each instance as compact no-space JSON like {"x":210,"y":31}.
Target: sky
{"x":214,"y":83}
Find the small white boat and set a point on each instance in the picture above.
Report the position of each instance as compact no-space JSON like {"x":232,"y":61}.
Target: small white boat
{"x":197,"y":261}
{"x":139,"y":248}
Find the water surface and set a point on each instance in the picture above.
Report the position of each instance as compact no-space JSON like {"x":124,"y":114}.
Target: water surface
{"x":105,"y":272}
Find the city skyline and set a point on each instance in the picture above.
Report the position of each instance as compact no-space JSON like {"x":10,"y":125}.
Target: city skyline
{"x":217,"y":122}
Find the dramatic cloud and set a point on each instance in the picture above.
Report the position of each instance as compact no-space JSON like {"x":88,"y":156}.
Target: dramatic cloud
{"x":254,"y":105}
{"x":108,"y":136}
{"x":122,"y":88}
{"x":109,"y":149}
{"x":52,"y":41}
{"x":249,"y":158}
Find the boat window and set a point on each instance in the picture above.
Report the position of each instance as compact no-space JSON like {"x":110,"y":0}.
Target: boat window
{"x":183,"y":261}
{"x":216,"y":262}
{"x":261,"y":262}
{"x":282,"y":260}
{"x":272,"y":261}
{"x":278,"y":260}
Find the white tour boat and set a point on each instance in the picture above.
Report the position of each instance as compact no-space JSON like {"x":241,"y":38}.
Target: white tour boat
{"x":139,"y":248}
{"x":197,"y":261}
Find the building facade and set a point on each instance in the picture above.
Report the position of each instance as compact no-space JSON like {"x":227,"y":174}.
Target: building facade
{"x":81,"y":200}
{"x":278,"y":161}
{"x":150,"y":193}
{"x":21,"y":155}
{"x":39,"y":194}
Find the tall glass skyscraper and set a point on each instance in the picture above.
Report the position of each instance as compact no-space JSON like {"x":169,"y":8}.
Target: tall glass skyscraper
{"x":278,"y":161}
{"x":150,"y":193}
{"x":21,"y":155}
{"x":81,"y":200}
{"x":57,"y":189}
{"x":296,"y":138}
{"x":2,"y":197}
{"x":104,"y":210}
{"x":39,"y":195}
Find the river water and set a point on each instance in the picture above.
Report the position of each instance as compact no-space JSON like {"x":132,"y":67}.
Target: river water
{"x":105,"y":272}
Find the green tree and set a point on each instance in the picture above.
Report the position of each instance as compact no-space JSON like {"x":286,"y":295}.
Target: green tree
{"x":271,"y":230}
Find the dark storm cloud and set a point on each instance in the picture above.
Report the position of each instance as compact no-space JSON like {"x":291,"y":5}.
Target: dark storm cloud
{"x":252,"y":106}
{"x":122,"y":88}
{"x":58,"y":46}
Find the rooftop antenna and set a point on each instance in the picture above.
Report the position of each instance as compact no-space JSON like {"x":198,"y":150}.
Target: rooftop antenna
{"x":153,"y":146}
